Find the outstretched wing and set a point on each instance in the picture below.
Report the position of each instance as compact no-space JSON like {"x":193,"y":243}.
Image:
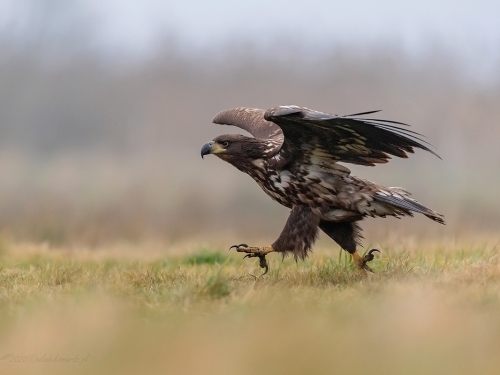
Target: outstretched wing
{"x":348,"y":139}
{"x":252,"y":120}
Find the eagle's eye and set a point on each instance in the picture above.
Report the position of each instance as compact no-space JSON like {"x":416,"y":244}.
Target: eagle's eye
{"x":225,"y":143}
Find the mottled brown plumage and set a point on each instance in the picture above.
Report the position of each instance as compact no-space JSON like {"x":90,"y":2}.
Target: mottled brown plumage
{"x":294,"y":157}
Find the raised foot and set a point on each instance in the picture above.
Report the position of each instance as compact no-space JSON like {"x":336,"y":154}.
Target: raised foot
{"x":255,"y":252}
{"x":361,"y":262}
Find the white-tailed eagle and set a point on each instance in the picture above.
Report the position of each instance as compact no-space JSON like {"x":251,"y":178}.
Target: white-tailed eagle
{"x":294,"y":157}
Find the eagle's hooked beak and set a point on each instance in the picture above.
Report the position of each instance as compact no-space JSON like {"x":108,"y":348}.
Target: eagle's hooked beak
{"x":206,"y":149}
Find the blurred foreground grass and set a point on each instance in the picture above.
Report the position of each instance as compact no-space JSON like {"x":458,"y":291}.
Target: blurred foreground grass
{"x":429,"y":309}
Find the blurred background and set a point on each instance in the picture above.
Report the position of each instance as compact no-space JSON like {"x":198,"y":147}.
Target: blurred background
{"x":104,"y":106}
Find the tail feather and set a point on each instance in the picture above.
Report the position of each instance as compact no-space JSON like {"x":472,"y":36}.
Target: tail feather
{"x":399,"y":198}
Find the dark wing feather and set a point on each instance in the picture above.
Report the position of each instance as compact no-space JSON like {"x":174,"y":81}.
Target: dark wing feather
{"x":344,"y":138}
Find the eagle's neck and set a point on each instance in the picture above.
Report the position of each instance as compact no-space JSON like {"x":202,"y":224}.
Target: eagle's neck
{"x":254,"y":148}
{"x":256,"y":168}
{"x":251,"y":156}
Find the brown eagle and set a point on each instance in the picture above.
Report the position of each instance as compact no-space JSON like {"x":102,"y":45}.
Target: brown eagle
{"x":294,"y":157}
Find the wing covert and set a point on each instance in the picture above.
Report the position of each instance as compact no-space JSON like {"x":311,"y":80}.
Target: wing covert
{"x":252,"y":120}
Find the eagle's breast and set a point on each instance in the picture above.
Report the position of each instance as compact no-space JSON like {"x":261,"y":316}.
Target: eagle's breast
{"x":303,"y":186}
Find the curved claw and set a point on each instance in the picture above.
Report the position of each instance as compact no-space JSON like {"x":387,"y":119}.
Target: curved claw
{"x":267,"y":269}
{"x":263,"y":264}
{"x":237,"y":246}
{"x":368,"y":258}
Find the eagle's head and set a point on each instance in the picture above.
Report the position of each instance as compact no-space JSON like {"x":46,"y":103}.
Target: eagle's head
{"x":235,"y":148}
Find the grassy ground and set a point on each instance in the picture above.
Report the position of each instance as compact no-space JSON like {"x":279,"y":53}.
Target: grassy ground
{"x":428,"y":309}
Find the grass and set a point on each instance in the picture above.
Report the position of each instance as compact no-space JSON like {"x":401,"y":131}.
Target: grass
{"x":429,"y":308}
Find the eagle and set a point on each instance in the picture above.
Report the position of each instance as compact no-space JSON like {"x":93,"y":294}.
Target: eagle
{"x":294,"y":157}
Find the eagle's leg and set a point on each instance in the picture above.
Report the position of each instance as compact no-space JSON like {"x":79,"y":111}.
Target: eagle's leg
{"x":348,"y":235}
{"x":297,"y":237}
{"x":255,"y":252}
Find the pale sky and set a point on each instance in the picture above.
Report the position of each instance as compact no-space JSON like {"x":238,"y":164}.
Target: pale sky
{"x":466,"y":24}
{"x":471,"y":29}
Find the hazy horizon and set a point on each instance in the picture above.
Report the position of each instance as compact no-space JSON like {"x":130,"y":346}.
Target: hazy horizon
{"x":100,"y":144}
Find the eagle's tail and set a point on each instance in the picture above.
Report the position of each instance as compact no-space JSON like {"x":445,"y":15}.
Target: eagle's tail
{"x":403,"y":204}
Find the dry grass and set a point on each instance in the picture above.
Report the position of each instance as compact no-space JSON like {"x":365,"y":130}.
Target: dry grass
{"x":429,"y":309}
